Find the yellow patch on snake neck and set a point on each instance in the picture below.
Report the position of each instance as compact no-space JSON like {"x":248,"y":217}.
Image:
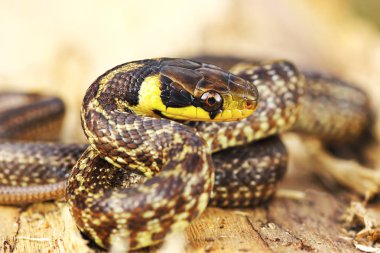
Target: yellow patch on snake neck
{"x":149,"y":97}
{"x":150,"y":101}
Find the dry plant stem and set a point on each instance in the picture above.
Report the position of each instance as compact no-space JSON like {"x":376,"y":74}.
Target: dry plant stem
{"x":358,"y":223}
{"x":357,"y":216}
{"x":290,"y":194}
{"x":362,"y":180}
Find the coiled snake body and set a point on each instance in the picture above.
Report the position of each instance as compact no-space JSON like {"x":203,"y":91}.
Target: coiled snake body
{"x":152,"y":126}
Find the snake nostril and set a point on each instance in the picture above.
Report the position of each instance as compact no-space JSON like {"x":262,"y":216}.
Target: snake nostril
{"x":250,"y":104}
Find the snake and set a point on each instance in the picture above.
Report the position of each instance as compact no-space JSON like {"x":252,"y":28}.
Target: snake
{"x":168,"y":137}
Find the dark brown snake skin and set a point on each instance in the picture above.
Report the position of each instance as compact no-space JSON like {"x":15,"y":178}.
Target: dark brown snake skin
{"x":109,"y":195}
{"x":33,"y":171}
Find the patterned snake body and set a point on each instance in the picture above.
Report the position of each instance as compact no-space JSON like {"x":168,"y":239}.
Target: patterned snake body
{"x":144,"y":175}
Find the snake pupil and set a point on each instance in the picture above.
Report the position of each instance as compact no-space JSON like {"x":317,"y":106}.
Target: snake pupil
{"x":211,"y":100}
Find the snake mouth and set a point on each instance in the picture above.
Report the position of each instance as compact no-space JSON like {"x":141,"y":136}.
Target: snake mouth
{"x":234,"y":114}
{"x":191,"y":113}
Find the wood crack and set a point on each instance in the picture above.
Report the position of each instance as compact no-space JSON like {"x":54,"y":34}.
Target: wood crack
{"x":258,"y":233}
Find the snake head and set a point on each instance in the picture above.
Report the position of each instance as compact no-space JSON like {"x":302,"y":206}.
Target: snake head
{"x":201,"y":92}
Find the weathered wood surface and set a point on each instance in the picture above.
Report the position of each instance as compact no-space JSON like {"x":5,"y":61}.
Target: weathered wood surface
{"x":306,"y":224}
{"x":282,"y":226}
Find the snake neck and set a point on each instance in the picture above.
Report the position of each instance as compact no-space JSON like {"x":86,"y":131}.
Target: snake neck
{"x":118,"y":88}
{"x":124,"y":137}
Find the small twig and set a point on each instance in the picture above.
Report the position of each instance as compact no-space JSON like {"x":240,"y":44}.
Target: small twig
{"x":290,"y":194}
{"x":34,"y":239}
{"x":367,"y":248}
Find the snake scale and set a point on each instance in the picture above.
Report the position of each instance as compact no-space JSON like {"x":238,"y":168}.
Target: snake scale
{"x":168,"y":137}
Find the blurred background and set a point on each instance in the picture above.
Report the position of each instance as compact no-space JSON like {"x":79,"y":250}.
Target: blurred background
{"x":60,"y":47}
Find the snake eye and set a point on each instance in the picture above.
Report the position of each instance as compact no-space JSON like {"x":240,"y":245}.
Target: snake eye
{"x":211,"y":101}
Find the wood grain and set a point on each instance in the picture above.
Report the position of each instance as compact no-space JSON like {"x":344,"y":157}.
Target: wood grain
{"x":309,"y":224}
